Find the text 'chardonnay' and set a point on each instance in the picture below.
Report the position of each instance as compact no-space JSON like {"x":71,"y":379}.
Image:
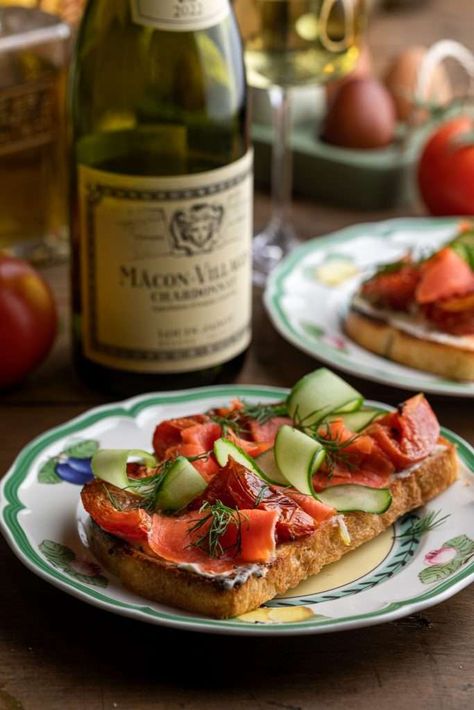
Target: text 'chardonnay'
{"x":162,"y":195}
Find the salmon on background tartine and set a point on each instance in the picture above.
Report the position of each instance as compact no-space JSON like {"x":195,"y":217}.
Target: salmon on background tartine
{"x":453,"y":315}
{"x":393,"y":287}
{"x":445,"y":275}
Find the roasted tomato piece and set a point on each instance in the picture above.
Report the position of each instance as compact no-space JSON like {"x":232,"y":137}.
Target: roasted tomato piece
{"x":116,"y":511}
{"x":453,"y":315}
{"x":394,"y":287}
{"x":408,"y":435}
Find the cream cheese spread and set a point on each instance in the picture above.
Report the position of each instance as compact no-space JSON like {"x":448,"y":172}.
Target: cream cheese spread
{"x":234,"y":578}
{"x":413,"y":326}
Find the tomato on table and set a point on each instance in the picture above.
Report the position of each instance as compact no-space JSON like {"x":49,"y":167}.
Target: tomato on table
{"x":446,"y":169}
{"x":28,"y":320}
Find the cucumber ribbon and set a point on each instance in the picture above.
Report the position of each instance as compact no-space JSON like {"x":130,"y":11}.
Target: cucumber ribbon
{"x":110,"y":465}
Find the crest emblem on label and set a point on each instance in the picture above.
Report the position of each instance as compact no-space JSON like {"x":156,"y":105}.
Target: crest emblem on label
{"x":196,"y":230}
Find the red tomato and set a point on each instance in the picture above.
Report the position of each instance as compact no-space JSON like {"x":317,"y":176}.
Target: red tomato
{"x":446,"y":169}
{"x":130,"y":523}
{"x":28,"y":320}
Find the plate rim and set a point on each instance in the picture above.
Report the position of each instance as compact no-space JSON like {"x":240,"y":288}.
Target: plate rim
{"x":275,"y":290}
{"x":11,"y":506}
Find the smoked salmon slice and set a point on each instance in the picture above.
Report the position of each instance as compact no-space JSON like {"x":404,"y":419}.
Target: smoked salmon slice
{"x":169,"y":432}
{"x":445,"y":275}
{"x":354,"y":458}
{"x":249,"y":537}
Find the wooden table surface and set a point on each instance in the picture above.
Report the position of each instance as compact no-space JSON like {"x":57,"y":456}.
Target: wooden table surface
{"x":57,"y":652}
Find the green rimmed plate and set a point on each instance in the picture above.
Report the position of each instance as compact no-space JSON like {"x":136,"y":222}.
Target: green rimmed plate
{"x":399,"y":573}
{"x":309,"y":292}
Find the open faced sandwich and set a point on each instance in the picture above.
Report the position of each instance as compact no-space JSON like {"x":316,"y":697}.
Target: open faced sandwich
{"x":421,"y":312}
{"x":243,"y":502}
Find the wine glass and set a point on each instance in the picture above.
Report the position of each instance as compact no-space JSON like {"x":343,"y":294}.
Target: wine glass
{"x":292,"y":43}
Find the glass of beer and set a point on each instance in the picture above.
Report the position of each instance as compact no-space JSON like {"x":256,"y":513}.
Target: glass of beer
{"x":34,"y":51}
{"x":293,"y":43}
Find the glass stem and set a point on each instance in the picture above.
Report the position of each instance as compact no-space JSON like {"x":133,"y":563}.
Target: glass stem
{"x":282,"y":164}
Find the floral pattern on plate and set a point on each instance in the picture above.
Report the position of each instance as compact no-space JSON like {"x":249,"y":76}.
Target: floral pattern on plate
{"x":446,"y":560}
{"x":72,"y":465}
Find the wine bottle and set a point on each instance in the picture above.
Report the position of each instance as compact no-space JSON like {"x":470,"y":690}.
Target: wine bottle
{"x":161,"y":195}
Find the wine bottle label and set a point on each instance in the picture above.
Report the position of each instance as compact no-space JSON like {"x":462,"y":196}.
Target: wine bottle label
{"x":166,"y":268}
{"x":180,"y":15}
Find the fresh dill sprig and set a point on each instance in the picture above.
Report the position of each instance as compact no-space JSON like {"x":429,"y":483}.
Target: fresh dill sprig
{"x":229,"y":422}
{"x":334,"y":447}
{"x":214,"y":525}
{"x":149,"y":488}
{"x":237,"y":420}
{"x":427,"y":523}
{"x":263,"y":413}
{"x":115,"y":502}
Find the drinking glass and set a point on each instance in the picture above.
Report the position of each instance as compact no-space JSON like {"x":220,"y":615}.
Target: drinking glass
{"x":34,"y":52}
{"x":292,"y":43}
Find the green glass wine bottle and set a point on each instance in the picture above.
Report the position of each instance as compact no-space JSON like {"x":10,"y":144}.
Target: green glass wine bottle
{"x":161,"y":215}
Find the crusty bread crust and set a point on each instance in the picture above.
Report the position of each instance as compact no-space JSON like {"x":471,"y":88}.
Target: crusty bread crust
{"x":383,"y":339}
{"x":295,"y":561}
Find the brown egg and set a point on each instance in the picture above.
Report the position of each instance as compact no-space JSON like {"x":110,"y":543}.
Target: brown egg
{"x":363,"y":68}
{"x":362,"y":115}
{"x":401,"y":80}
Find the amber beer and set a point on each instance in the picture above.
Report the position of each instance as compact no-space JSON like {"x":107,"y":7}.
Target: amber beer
{"x":68,"y":10}
{"x":32,"y":134}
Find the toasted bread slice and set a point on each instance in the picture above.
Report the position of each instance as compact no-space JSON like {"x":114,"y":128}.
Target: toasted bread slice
{"x":225,"y":597}
{"x":388,"y":341}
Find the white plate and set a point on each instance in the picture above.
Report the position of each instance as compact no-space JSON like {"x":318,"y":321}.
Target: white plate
{"x":42,"y":518}
{"x":308,"y":311}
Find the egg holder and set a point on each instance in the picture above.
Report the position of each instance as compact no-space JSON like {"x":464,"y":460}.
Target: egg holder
{"x":363,"y":179}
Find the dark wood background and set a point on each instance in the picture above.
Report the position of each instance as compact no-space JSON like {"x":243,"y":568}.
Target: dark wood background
{"x":57,"y":652}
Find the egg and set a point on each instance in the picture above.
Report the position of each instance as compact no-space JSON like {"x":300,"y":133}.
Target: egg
{"x":363,"y":69}
{"x":361,"y":115}
{"x":401,"y":80}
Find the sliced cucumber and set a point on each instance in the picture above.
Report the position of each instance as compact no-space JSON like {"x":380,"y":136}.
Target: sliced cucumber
{"x":357,"y":499}
{"x":298,"y":457}
{"x":223,"y":448}
{"x":357,"y":421}
{"x":266,"y":462}
{"x":181,"y":485}
{"x":320,"y":394}
{"x":110,"y":465}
